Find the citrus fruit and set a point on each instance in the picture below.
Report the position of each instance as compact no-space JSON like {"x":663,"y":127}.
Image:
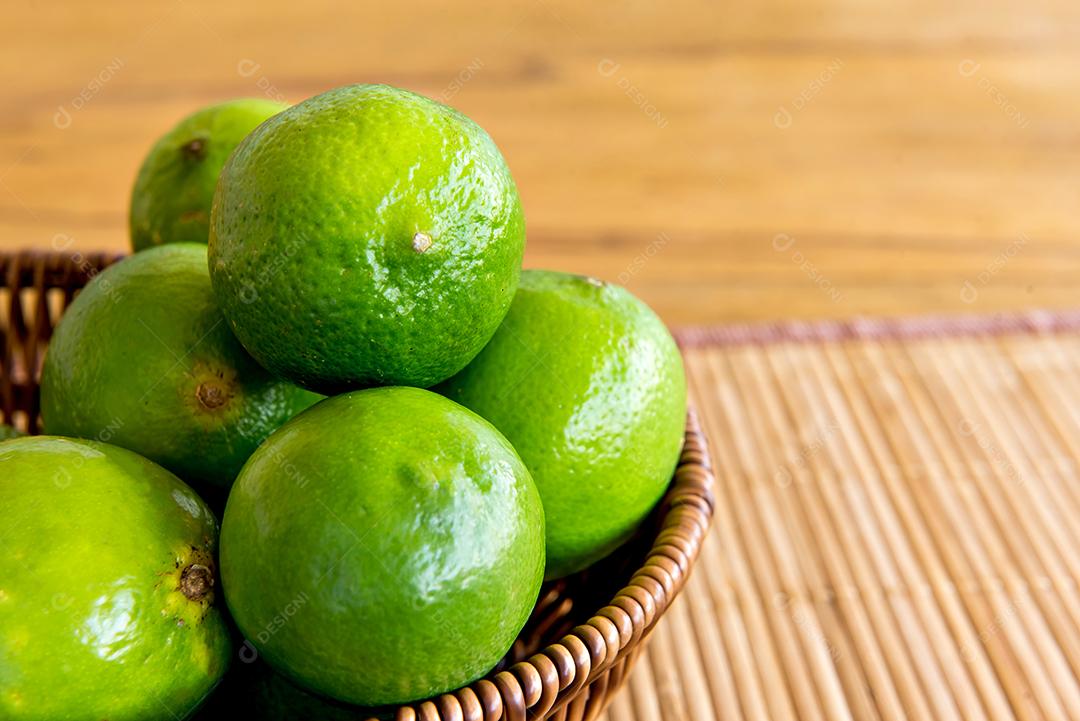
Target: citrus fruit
{"x":252,"y":689}
{"x":170,"y":202}
{"x":262,"y":693}
{"x":587,"y":383}
{"x":7,"y":432}
{"x":143,"y":359}
{"x":273,"y":698}
{"x":383,"y":546}
{"x":366,"y":236}
{"x":108,"y":603}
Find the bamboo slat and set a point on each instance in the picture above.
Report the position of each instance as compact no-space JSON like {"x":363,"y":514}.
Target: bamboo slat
{"x":897,"y":534}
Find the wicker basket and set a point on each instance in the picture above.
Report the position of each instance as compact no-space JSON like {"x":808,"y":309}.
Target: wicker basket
{"x":586,"y":630}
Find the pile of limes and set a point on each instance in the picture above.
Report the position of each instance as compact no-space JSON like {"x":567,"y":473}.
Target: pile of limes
{"x":325,"y":332}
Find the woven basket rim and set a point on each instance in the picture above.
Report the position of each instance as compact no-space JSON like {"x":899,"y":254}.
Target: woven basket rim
{"x":575,"y":667}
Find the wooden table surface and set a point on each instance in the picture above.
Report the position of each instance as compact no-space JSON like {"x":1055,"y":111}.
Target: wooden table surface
{"x":736,"y":160}
{"x":727,"y":161}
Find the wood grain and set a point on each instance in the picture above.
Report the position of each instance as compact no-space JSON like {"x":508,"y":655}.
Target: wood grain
{"x":925,"y":145}
{"x":738,"y":160}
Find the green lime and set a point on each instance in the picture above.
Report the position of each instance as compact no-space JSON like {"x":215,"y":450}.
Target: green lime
{"x":383,"y":546}
{"x":107,"y":592}
{"x":170,"y":202}
{"x":588,"y":385}
{"x":272,"y":697}
{"x":366,"y":236}
{"x":252,"y":689}
{"x":144,"y":359}
{"x":7,"y":432}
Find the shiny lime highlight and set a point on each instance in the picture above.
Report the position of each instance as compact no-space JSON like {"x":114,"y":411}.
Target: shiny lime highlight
{"x":588,"y":384}
{"x":366,"y":236}
{"x":384,"y":546}
{"x":144,"y":359}
{"x":109,"y":607}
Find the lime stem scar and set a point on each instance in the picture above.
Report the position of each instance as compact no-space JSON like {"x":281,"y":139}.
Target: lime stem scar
{"x":196,"y":580}
{"x":194,"y":149}
{"x":210,"y":395}
{"x":421,"y":242}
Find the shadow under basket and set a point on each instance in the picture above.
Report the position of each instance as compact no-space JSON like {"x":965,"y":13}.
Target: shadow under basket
{"x":586,"y":631}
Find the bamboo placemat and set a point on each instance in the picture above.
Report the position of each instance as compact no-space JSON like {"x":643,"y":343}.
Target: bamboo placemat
{"x":897,"y":531}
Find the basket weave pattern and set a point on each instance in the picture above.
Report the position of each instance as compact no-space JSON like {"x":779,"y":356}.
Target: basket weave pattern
{"x":569,"y":659}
